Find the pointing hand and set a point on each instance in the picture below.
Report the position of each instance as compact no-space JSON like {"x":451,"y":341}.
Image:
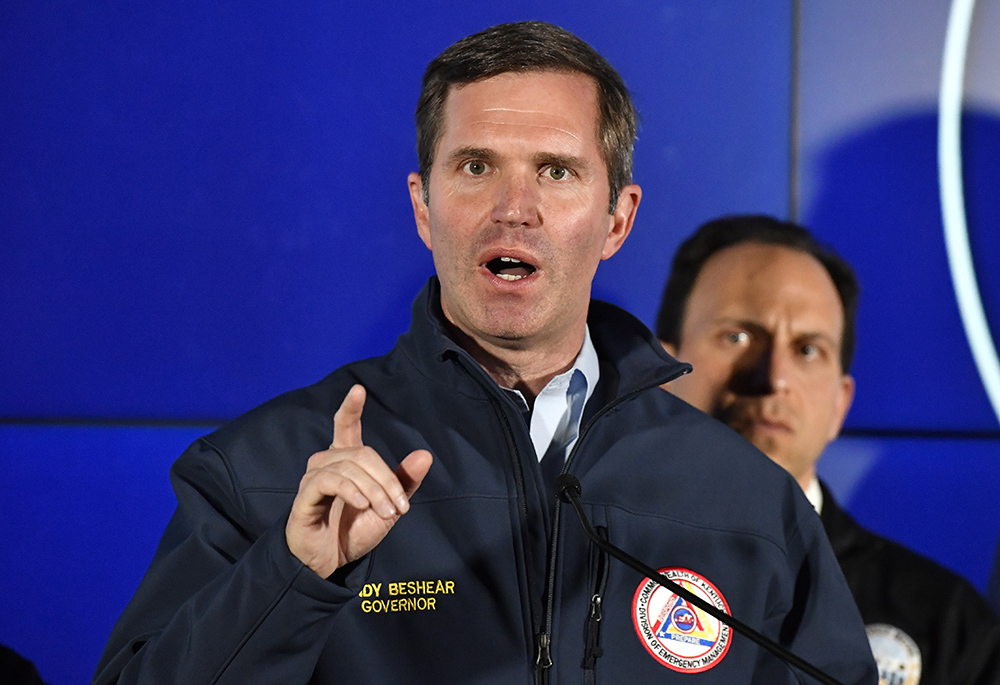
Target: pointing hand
{"x":349,"y":499}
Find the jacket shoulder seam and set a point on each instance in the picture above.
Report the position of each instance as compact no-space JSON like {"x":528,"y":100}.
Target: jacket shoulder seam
{"x":697,"y":526}
{"x":238,"y":492}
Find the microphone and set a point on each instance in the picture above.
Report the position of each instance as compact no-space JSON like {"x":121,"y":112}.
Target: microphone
{"x":568,"y":490}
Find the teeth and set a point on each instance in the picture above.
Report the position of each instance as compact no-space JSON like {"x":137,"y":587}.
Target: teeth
{"x":510,"y":259}
{"x":510,"y":277}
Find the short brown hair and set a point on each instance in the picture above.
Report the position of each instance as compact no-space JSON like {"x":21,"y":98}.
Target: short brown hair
{"x":524,"y":47}
{"x":727,"y":231}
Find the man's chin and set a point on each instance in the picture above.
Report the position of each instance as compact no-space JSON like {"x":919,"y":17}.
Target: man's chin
{"x":771,"y":443}
{"x":500,"y":326}
{"x":766,"y":443}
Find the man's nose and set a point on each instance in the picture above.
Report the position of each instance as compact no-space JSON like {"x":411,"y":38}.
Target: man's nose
{"x":516,"y":202}
{"x":765,"y":371}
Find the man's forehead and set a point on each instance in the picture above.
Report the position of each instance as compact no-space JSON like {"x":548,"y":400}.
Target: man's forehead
{"x":513,"y":93}
{"x":766,"y":283}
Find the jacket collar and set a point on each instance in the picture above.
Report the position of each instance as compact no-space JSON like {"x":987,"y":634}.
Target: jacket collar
{"x":843,"y":531}
{"x":621,"y":341}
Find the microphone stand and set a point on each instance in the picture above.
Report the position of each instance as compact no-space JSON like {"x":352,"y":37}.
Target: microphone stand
{"x":568,"y":490}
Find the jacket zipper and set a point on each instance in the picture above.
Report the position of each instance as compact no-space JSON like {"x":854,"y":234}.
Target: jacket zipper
{"x":544,"y":641}
{"x":543,"y":659}
{"x":592,"y":641}
{"x":522,"y":508}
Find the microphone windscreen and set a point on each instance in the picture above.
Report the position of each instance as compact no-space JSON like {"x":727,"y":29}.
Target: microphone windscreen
{"x":567,"y":483}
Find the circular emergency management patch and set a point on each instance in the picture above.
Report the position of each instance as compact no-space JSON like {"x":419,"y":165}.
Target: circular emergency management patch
{"x":896,"y":655}
{"x":673,"y":630}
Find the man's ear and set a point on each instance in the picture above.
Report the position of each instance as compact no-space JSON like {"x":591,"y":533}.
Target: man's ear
{"x":420,"y":211}
{"x":843,"y":404}
{"x":622,"y":219}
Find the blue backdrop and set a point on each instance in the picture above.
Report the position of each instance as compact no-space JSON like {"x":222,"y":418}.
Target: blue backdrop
{"x":203,"y":205}
{"x":206,"y":205}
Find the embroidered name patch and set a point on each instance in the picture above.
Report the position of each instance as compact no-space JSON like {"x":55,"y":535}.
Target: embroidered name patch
{"x":896,"y":655}
{"x":410,"y":595}
{"x":674,"y":631}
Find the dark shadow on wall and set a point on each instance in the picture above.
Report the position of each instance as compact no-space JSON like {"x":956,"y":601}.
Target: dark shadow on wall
{"x":878,"y":203}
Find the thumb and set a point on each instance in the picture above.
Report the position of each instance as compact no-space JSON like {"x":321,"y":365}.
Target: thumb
{"x":347,"y":420}
{"x":411,"y":471}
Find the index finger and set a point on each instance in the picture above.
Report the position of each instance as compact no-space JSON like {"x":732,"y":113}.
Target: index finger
{"x":347,"y":420}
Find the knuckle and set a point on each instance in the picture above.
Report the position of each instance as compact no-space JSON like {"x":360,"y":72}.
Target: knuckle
{"x":314,"y":461}
{"x":305,"y":480}
{"x":368,"y":456}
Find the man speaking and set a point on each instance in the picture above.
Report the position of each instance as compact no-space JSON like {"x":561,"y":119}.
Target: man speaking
{"x":395,"y":522}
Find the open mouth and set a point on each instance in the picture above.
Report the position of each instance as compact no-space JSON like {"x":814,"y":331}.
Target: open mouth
{"x":510,"y":268}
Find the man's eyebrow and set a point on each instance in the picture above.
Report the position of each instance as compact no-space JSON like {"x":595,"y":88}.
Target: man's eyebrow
{"x":564,"y":161}
{"x":540,"y":159}
{"x":817,"y":336}
{"x":753,"y":325}
{"x":470,"y":152}
{"x":734,"y":321}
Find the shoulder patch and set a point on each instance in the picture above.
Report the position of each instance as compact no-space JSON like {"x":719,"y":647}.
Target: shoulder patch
{"x":676,"y":633}
{"x":896,"y":655}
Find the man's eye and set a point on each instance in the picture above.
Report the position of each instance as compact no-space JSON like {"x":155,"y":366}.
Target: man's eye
{"x":475,"y":167}
{"x":737,"y":337}
{"x":809,"y":351}
{"x":558,"y":173}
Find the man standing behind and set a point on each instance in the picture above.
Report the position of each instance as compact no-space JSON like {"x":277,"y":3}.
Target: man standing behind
{"x":765,"y":314}
{"x":423,"y":544}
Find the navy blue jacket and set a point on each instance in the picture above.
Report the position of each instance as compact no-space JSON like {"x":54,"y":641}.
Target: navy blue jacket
{"x":484,"y":579}
{"x":952,"y":628}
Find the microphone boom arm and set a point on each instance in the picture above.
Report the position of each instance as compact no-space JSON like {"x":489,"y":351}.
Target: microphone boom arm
{"x":568,"y":489}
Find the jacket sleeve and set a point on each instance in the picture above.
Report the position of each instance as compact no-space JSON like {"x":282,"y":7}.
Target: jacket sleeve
{"x":822,"y":625}
{"x":224,"y":600}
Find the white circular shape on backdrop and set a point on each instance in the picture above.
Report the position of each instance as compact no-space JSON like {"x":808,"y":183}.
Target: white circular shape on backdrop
{"x":956,"y":230}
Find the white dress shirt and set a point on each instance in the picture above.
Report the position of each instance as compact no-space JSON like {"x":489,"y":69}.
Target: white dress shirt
{"x":555,"y":419}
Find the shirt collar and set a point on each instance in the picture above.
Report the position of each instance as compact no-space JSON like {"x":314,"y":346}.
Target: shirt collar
{"x":588,"y":364}
{"x":558,"y":408}
{"x":814,"y":493}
